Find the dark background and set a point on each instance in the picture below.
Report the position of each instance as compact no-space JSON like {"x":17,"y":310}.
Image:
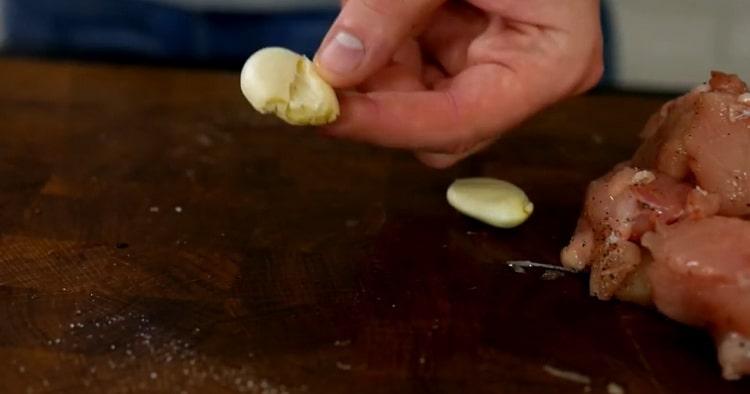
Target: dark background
{"x":137,"y":31}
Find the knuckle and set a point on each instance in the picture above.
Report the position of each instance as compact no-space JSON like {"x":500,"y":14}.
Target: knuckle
{"x":389,"y":8}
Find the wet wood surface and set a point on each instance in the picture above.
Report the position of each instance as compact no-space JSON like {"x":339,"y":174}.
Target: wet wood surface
{"x":158,"y":236}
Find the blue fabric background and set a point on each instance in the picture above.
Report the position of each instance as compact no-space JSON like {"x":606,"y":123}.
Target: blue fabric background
{"x":153,"y":31}
{"x":139,"y":30}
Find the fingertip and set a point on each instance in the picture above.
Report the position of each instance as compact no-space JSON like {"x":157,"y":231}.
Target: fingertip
{"x":340,"y":57}
{"x":365,"y":36}
{"x":437,"y":161}
{"x":445,"y":160}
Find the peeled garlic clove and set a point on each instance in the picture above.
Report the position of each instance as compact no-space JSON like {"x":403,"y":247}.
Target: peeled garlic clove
{"x":280,"y":82}
{"x":492,"y":201}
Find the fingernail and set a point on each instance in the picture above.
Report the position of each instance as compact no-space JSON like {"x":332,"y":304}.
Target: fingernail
{"x":342,"y":54}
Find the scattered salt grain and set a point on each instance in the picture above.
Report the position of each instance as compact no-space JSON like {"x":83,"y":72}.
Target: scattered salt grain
{"x":204,"y":140}
{"x":342,"y":343}
{"x":738,"y":114}
{"x":567,"y":375}
{"x":613,"y":238}
{"x":551,"y":275}
{"x":643,"y":177}
{"x":614,"y":388}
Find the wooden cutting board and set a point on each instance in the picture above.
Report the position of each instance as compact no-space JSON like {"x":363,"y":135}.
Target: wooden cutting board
{"x":158,"y":236}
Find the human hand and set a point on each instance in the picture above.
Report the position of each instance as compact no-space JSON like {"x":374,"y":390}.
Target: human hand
{"x":447,"y":78}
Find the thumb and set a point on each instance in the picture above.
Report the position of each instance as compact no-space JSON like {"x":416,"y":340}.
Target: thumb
{"x":365,"y":36}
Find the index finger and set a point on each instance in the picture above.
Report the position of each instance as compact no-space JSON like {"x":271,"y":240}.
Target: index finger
{"x":475,"y":105}
{"x":365,"y":36}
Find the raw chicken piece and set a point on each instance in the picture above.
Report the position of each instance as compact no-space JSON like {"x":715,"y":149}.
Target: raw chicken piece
{"x":620,"y":208}
{"x":671,"y":226}
{"x":701,"y":276}
{"x":705,"y":135}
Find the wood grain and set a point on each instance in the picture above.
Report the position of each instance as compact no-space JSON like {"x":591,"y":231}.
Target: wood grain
{"x":158,"y":236}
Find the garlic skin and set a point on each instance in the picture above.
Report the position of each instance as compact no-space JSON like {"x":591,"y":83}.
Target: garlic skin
{"x":492,"y":201}
{"x":283,"y":83}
